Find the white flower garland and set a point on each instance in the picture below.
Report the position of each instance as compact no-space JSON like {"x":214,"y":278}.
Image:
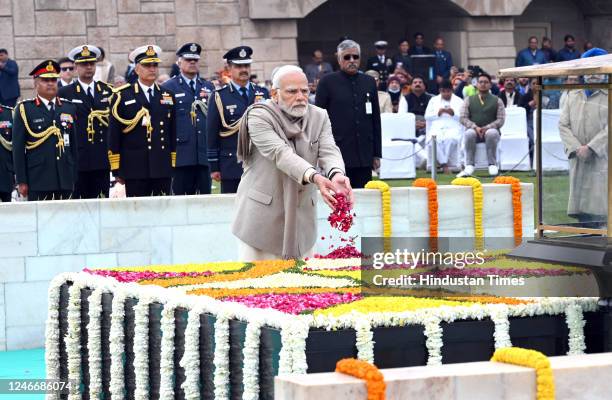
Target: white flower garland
{"x":117,"y":346}
{"x":94,"y":343}
{"x":328,"y":263}
{"x":433,"y":342}
{"x":250,"y":371}
{"x":499,"y":316}
{"x":52,"y":333}
{"x":141,"y":348}
{"x":364,"y":339}
{"x":280,"y":280}
{"x":221,"y":357}
{"x":166,"y":388}
{"x":73,"y":337}
{"x":190,"y":362}
{"x":575,"y":322}
{"x":285,"y":364}
{"x":298,"y":345}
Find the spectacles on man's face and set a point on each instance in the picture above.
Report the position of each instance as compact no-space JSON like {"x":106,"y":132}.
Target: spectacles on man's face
{"x":64,"y":69}
{"x":348,"y":57}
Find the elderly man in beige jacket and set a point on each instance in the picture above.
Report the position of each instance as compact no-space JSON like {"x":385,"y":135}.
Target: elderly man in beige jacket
{"x":283,"y":143}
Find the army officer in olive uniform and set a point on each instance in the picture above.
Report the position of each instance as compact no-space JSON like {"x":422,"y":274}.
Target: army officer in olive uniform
{"x":229,"y":103}
{"x":6,"y":155}
{"x":192,"y":93}
{"x":44,"y":142}
{"x":91,"y":100}
{"x":142,"y":136}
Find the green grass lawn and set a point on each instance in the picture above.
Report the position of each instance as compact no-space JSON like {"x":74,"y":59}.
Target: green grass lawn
{"x":556,"y":190}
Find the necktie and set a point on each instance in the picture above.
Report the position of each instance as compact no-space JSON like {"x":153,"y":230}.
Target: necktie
{"x":51,"y":106}
{"x":192,"y":86}
{"x":244,"y":94}
{"x":150,"y":92}
{"x":89,"y":93}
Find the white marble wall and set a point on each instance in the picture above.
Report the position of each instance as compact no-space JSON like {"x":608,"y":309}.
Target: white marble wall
{"x":584,"y":377}
{"x":39,"y":240}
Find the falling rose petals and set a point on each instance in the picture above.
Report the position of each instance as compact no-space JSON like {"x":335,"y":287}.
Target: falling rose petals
{"x":341,"y":217}
{"x":295,"y":303}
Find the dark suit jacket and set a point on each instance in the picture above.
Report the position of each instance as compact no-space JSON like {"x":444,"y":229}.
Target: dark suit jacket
{"x":9,"y":85}
{"x":517,"y":98}
{"x":140,"y":158}
{"x":357,"y":133}
{"x":93,"y":151}
{"x":45,"y":168}
{"x":6,"y":155}
{"x":191,"y":137}
{"x":222,"y":150}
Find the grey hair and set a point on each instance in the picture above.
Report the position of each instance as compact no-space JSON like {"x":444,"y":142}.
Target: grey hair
{"x":348,"y":44}
{"x":279,"y":72}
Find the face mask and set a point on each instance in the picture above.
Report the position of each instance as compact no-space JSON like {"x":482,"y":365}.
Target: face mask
{"x":393,"y":90}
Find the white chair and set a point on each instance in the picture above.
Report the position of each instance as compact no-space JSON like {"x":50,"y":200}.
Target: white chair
{"x":443,"y":124}
{"x":397,"y":155}
{"x":553,"y":151}
{"x":514,"y":142}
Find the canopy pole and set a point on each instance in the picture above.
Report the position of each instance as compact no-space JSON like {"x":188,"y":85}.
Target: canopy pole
{"x":540,"y":231}
{"x":609,"y":220}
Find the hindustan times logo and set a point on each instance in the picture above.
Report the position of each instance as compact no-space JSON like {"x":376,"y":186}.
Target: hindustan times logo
{"x":406,"y":257}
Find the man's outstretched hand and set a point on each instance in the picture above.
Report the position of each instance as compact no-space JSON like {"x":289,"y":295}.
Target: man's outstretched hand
{"x":327,"y":189}
{"x":342,"y":184}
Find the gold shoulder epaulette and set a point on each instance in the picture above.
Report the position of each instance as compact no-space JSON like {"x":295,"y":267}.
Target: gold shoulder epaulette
{"x":117,"y":89}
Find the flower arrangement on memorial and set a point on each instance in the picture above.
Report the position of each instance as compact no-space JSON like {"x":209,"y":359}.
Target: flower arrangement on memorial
{"x":478,"y":197}
{"x":289,"y":295}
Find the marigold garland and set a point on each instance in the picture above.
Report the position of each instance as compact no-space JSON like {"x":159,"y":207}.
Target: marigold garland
{"x":385,"y":192}
{"x":478,"y":197}
{"x":545,"y":383}
{"x":374,"y":379}
{"x":432,"y":209}
{"x":517,"y":206}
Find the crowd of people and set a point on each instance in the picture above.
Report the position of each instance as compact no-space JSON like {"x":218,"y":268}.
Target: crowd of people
{"x":427,"y":83}
{"x":161,"y":134}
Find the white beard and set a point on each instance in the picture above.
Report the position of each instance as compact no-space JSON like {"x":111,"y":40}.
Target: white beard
{"x":295,"y":111}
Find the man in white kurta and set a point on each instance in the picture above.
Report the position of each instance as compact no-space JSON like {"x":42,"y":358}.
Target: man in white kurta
{"x":442,"y":116}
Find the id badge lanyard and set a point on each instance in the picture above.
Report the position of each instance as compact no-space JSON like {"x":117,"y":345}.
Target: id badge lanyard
{"x":368,"y":104}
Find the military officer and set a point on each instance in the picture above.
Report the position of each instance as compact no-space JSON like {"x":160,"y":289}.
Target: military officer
{"x":229,"y":103}
{"x":44,"y":141}
{"x":6,"y":155}
{"x":192,"y":93}
{"x":91,"y":100}
{"x":142,"y":136}
{"x":381,"y":63}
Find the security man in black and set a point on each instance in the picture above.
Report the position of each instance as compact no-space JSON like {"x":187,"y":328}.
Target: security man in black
{"x":6,"y":154}
{"x":229,"y":103}
{"x":192,"y":94}
{"x":44,"y":141}
{"x":91,"y":100}
{"x":142,"y":136}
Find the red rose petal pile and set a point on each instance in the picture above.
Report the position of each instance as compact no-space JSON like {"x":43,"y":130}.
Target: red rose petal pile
{"x":348,"y":251}
{"x":342,"y":216}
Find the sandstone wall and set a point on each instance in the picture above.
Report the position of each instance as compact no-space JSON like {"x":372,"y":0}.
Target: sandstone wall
{"x":32,"y":30}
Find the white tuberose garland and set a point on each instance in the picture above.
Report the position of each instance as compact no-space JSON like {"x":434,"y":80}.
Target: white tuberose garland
{"x":221,"y":357}
{"x":166,"y":388}
{"x":141,"y":348}
{"x":190,"y":362}
{"x":94,"y":344}
{"x":73,"y":338}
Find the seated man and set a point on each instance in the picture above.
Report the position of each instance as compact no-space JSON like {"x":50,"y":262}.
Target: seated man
{"x":281,"y":143}
{"x":416,"y":102}
{"x":442,"y":115}
{"x":482,"y":115}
